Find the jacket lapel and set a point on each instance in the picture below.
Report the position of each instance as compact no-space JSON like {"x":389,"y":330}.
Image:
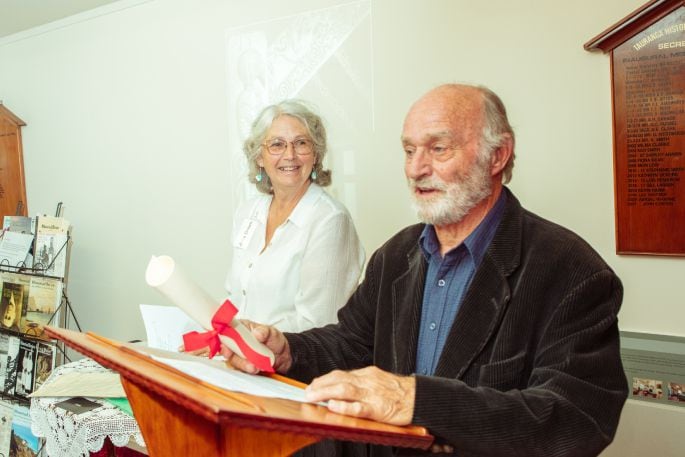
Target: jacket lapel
{"x":486,"y":299}
{"x":407,"y":296}
{"x":477,"y":319}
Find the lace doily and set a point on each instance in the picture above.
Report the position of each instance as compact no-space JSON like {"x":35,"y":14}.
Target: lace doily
{"x":77,"y":435}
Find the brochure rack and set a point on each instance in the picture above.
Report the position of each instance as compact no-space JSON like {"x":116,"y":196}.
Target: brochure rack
{"x":33,"y":296}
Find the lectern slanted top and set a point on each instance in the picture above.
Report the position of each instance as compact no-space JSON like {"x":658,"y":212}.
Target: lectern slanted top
{"x":181,"y":415}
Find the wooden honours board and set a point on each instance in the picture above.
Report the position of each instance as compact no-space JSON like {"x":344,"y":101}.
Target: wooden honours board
{"x":648,"y":87}
{"x":12,"y":184}
{"x":649,"y":118}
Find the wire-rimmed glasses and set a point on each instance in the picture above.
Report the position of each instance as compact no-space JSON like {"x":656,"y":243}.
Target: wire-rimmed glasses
{"x":301,"y":145}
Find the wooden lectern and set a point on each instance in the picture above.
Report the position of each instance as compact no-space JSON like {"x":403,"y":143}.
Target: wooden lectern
{"x":181,"y":415}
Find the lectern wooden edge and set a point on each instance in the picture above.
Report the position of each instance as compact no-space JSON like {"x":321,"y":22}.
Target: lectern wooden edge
{"x":181,"y":415}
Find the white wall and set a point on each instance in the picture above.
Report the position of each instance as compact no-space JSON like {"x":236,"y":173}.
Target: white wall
{"x":130,"y":119}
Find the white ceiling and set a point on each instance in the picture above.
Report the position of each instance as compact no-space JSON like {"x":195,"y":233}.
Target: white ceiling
{"x":20,"y":15}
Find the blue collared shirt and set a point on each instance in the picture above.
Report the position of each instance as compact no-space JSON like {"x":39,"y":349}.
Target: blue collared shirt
{"x":447,"y":279}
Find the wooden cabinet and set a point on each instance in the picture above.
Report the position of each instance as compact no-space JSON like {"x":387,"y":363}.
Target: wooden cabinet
{"x":12,"y":182}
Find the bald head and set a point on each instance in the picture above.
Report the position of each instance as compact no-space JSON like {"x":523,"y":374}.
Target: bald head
{"x":449,"y":105}
{"x":459,"y":98}
{"x":470,"y":113}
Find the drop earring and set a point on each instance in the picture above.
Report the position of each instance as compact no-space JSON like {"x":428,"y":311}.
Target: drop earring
{"x":313,"y":175}
{"x":258,"y":177}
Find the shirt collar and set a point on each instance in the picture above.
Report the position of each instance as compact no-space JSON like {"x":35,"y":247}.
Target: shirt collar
{"x":476,"y":243}
{"x":305,"y":207}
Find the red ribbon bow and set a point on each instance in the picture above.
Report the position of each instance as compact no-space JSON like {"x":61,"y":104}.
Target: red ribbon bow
{"x":221,"y":325}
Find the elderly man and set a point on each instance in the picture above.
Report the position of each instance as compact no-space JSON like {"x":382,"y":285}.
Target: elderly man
{"x":490,"y":326}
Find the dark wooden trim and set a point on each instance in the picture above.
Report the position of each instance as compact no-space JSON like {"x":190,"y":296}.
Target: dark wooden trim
{"x":632,"y":24}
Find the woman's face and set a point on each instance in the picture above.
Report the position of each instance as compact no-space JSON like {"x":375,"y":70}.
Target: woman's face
{"x":10,"y":314}
{"x":290,"y":170}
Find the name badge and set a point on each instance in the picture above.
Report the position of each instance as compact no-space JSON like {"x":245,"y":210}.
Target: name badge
{"x":245,"y":234}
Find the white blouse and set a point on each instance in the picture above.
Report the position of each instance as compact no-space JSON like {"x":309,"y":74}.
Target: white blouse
{"x":306,"y":273}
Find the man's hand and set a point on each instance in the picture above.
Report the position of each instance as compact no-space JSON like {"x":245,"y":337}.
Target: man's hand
{"x":370,"y":393}
{"x":272,"y":338}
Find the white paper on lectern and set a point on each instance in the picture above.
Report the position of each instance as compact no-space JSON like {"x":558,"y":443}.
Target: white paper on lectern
{"x":166,"y":325}
{"x":164,"y":275}
{"x":237,"y":381}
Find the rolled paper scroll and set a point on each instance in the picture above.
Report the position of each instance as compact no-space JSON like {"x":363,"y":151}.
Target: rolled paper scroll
{"x":171,"y":281}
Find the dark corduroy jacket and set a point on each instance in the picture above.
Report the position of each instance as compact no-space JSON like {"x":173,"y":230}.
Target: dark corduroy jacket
{"x":531,"y":366}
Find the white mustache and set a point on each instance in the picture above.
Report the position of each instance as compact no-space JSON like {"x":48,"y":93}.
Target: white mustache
{"x":427,"y":183}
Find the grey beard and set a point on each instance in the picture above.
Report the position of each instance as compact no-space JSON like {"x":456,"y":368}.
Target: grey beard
{"x":460,"y":196}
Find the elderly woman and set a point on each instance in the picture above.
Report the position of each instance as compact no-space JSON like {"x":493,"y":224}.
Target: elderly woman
{"x":296,"y":254}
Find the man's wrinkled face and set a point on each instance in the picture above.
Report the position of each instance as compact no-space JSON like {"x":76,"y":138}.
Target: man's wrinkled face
{"x":446,"y":173}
